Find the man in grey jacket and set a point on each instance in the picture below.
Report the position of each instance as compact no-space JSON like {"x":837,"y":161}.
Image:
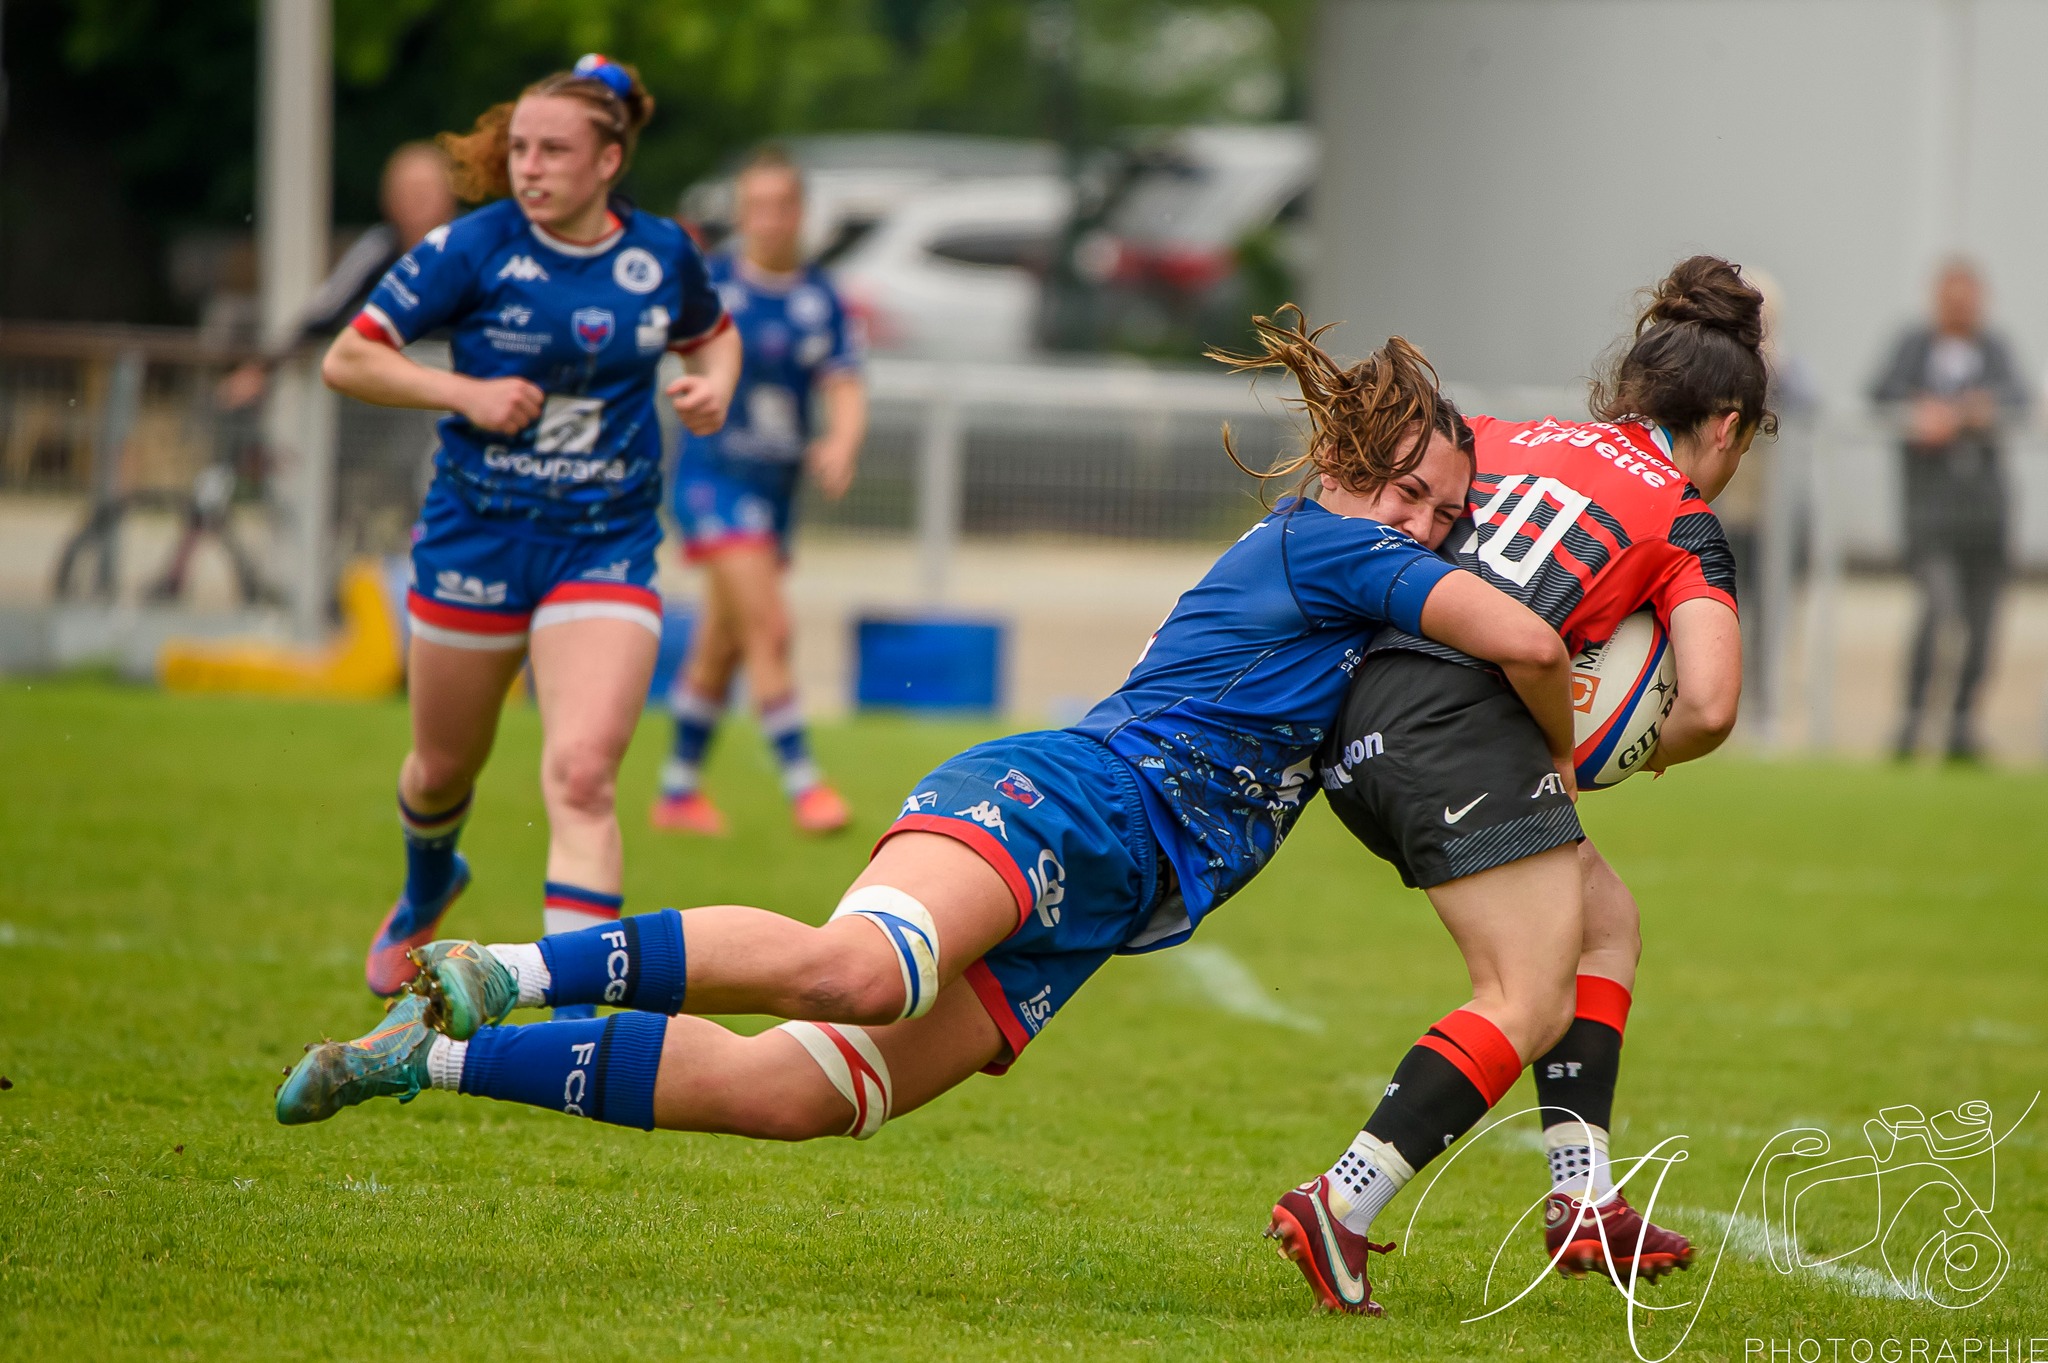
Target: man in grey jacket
{"x":1952,"y":387}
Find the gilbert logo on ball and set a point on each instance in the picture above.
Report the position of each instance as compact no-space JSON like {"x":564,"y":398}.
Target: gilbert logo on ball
{"x":1622,"y":690}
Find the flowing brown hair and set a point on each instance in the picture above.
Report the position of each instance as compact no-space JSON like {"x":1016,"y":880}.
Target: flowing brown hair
{"x":1697,"y":352}
{"x":1360,"y":417}
{"x":479,"y":159}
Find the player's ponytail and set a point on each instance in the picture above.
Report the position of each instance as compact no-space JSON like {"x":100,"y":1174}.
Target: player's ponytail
{"x":1696,"y":353}
{"x":1370,"y":422}
{"x":619,"y":105}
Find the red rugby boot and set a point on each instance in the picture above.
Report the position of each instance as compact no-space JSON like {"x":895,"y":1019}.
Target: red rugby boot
{"x":1329,"y":1255}
{"x":1588,"y":1236}
{"x":688,"y":813}
{"x":819,"y":810}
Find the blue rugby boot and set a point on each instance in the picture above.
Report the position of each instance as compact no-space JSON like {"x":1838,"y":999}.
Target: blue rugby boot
{"x":389,"y":967}
{"x":467,"y":986}
{"x":389,"y":1062}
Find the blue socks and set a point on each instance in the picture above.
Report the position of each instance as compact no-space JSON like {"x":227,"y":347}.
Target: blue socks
{"x":601,"y":1068}
{"x":696,"y":720}
{"x":783,"y":724}
{"x":429,"y":853}
{"x":571,"y":908}
{"x":637,"y":962}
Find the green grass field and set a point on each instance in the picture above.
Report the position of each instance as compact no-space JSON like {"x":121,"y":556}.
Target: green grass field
{"x":186,"y":886}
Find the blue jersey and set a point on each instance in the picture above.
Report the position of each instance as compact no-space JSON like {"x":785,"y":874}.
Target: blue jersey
{"x":1222,"y":716}
{"x":794,"y":331}
{"x":587,"y":324}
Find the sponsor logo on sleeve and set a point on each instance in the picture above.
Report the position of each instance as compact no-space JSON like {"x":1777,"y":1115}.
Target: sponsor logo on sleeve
{"x":651,"y":335}
{"x":438,"y":238}
{"x":920,"y":802}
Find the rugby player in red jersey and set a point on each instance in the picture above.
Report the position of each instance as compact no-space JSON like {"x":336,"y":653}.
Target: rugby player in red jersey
{"x":1585,"y":522}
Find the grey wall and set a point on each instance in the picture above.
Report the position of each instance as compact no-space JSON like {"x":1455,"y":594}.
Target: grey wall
{"x":1502,"y":174}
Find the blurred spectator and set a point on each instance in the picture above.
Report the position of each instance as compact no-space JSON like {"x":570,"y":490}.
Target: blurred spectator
{"x":1951,"y":386}
{"x":416,"y":198}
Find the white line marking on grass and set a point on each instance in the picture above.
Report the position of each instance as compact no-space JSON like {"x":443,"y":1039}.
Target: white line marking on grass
{"x":1750,"y":1237}
{"x":1229,"y":984}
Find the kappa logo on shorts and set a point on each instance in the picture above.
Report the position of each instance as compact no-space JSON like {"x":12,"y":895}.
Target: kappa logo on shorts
{"x":470,"y":591}
{"x":987,"y":815}
{"x":1017,"y":786}
{"x":920,"y":802}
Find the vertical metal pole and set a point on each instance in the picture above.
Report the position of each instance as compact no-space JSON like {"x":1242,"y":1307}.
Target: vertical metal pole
{"x":1824,"y":584}
{"x":293,"y":211}
{"x":940,"y":456}
{"x":117,"y":422}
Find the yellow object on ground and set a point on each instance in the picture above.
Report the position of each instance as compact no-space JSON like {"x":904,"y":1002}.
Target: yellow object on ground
{"x":362,"y":663}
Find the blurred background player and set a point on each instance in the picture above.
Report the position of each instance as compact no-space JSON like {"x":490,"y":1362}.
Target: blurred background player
{"x":735,"y":490}
{"x":538,"y":535}
{"x":415,"y":196}
{"x":1586,"y":523}
{"x":1953,"y":386}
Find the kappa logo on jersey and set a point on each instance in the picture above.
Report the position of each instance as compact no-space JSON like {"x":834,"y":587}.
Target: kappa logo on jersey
{"x":515,"y":314}
{"x":920,"y":802}
{"x":636,"y":270}
{"x":524,"y":268}
{"x":470,"y":591}
{"x":1048,"y":887}
{"x":987,"y":815}
{"x":1017,"y":786}
{"x":594,"y":327}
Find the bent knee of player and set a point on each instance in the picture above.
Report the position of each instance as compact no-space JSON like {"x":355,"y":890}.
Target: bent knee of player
{"x":789,"y":1114}
{"x":581,"y":778}
{"x":850,"y":975}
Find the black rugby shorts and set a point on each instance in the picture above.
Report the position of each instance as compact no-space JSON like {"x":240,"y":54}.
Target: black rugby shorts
{"x":1438,"y":768}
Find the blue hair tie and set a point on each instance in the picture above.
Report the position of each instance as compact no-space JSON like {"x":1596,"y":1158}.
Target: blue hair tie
{"x":597,"y":66}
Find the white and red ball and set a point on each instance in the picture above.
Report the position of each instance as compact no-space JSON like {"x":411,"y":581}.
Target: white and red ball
{"x":1622,"y":691}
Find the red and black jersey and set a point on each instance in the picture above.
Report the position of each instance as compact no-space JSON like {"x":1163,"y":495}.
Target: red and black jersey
{"x":1585,"y":523}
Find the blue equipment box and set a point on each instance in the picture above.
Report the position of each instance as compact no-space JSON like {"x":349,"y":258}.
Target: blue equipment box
{"x":928,"y":663}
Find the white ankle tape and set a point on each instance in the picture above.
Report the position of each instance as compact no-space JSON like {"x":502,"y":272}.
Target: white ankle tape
{"x":908,"y":926}
{"x":856,"y":1068}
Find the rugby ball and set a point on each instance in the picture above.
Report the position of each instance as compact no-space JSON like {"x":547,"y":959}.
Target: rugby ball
{"x":1622,"y":690}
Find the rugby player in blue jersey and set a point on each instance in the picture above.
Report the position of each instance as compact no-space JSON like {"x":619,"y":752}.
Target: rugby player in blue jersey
{"x":537,"y":539}
{"x":734,"y":491}
{"x":1019,"y":867}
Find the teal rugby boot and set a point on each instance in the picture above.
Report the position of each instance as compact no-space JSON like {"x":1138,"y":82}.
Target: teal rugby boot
{"x":468,"y":987}
{"x":389,"y":1062}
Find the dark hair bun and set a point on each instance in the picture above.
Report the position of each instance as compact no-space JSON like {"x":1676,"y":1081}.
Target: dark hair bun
{"x":1711,"y":292}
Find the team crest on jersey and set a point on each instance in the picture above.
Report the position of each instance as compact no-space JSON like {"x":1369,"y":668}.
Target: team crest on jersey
{"x":1017,"y":786}
{"x":523,"y":268}
{"x":594,"y":327}
{"x":636,"y":270}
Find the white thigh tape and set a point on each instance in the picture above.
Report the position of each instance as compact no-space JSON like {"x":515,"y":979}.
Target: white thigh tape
{"x":855,"y":1067}
{"x":909,"y":928}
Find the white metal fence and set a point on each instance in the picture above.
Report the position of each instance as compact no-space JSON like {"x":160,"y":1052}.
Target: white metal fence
{"x":1102,"y":451}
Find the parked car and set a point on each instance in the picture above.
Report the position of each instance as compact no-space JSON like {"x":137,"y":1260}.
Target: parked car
{"x":853,"y":180}
{"x":1203,"y":226}
{"x":957,"y":270}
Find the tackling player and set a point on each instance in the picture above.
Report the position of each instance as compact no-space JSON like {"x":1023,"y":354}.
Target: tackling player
{"x":538,"y":534}
{"x":1586,"y":522}
{"x":1018,"y":868}
{"x":734,"y":491}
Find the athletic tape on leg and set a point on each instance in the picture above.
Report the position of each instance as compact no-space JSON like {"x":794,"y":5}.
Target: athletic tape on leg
{"x":856,"y":1068}
{"x":909,"y":928}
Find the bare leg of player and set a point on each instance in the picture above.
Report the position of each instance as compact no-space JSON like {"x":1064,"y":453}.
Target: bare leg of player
{"x":774,"y":1087}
